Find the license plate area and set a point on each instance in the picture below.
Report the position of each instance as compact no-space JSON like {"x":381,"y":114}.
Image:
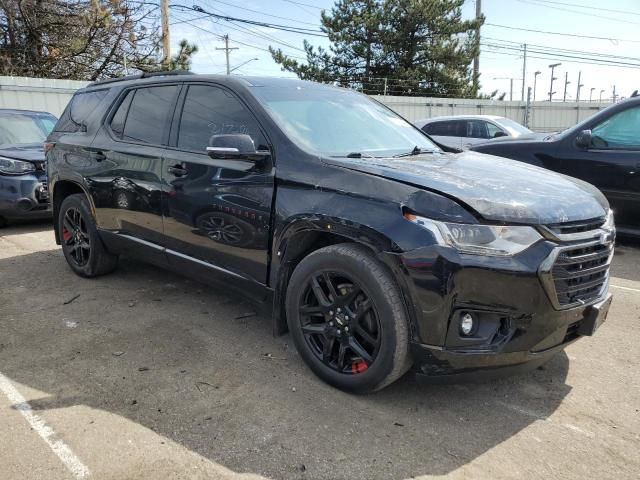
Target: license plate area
{"x":595,"y":316}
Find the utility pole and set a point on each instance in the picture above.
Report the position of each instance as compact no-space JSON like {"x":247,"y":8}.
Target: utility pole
{"x":166,"y":40}
{"x":226,"y":51}
{"x":527,"y":109}
{"x":614,"y":94}
{"x":535,"y":78}
{"x":551,"y":92}
{"x":511,"y":90}
{"x":524,"y":69}
{"x":591,"y":93}
{"x":476,"y":59}
{"x":580,"y":85}
{"x":566,"y":82}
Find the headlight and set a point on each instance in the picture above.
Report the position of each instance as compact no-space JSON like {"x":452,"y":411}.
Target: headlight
{"x":609,"y":223}
{"x":501,"y":241}
{"x":9,"y":166}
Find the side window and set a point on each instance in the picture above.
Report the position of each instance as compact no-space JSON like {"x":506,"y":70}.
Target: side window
{"x":211,"y":111}
{"x":444,"y":129}
{"x":493,"y":129}
{"x":117,"y":122}
{"x":477,"y":129}
{"x":82,"y":105}
{"x":622,"y":130}
{"x":149,"y":115}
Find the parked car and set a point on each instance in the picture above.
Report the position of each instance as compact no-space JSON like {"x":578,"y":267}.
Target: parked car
{"x":463,"y":131}
{"x":379,"y":252}
{"x":603,"y":150}
{"x":23,"y":179}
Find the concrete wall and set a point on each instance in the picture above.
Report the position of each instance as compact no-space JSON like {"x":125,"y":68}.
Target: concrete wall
{"x":52,"y":96}
{"x":37,"y":93}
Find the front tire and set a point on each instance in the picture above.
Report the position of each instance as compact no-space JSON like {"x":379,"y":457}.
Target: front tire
{"x":347,"y":318}
{"x":82,"y":247}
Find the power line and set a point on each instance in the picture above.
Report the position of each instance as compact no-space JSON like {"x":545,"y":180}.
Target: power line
{"x":589,"y":7}
{"x":303,"y":4}
{"x":266,"y":14}
{"x":546,"y":32}
{"x":535,"y":2}
{"x":275,"y":26}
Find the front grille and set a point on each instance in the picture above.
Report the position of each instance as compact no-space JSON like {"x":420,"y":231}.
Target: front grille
{"x":581,"y":271}
{"x":576,"y":227}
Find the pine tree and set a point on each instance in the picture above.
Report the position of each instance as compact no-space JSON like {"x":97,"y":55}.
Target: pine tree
{"x":420,"y":46}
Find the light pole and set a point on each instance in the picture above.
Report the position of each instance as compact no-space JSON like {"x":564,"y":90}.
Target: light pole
{"x":510,"y":83}
{"x":242,"y":64}
{"x":535,"y":78}
{"x":601,"y":92}
{"x":551,"y":92}
{"x":591,"y":93}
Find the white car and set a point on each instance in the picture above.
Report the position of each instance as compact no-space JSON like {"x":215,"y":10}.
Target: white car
{"x":463,"y":131}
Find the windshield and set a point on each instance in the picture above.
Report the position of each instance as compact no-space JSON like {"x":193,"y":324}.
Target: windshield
{"x":514,"y":128}
{"x":336,"y":122}
{"x":19,"y":128}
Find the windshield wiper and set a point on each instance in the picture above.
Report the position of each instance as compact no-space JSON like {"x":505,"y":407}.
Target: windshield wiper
{"x":416,"y":151}
{"x":354,"y":155}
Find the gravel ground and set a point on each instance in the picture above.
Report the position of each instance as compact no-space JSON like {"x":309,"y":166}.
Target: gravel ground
{"x":145,"y":374}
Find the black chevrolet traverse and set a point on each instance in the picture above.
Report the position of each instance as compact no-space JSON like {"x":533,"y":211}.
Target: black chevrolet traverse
{"x":375,"y":249}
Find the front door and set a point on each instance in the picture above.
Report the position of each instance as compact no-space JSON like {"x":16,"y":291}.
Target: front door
{"x":611,"y":163}
{"x":218,"y":211}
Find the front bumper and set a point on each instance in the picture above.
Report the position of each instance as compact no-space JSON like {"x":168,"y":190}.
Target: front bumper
{"x":24,"y":196}
{"x":518,"y":322}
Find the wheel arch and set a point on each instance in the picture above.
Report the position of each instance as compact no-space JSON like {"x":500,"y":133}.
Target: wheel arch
{"x":304,"y":235}
{"x":61,"y":189}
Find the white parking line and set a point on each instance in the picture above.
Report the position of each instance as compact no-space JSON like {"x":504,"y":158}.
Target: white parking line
{"x":625,"y":288}
{"x":61,"y":449}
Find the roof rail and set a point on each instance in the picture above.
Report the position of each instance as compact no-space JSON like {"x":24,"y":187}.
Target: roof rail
{"x":141,"y":75}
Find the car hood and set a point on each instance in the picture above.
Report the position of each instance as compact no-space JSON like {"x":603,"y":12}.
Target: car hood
{"x":496,"y":188}
{"x":32,"y":152}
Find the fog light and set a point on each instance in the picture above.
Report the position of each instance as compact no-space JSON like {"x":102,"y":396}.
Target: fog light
{"x":466,"y":324}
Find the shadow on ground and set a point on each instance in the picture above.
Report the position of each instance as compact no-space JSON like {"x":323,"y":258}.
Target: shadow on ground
{"x":192,"y":363}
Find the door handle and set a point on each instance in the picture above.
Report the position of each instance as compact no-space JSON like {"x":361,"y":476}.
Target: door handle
{"x":178,"y":170}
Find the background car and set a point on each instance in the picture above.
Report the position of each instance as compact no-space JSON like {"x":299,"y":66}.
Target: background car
{"x":461,"y":131}
{"x":23,"y":177}
{"x":603,"y":150}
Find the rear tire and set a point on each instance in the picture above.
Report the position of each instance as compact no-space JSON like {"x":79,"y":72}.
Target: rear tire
{"x":81,"y":244}
{"x":347,"y":318}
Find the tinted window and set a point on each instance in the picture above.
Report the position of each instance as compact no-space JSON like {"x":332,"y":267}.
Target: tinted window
{"x":150,"y":114}
{"x":452,"y":128}
{"x":82,"y":105}
{"x":622,"y":130}
{"x":477,"y":129}
{"x":212,"y":111}
{"x":18,"y":128}
{"x":117,"y":122}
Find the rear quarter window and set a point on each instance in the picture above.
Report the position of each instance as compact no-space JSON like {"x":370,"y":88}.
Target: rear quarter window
{"x":82,"y":105}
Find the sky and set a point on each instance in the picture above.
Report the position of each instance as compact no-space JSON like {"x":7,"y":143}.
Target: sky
{"x":615,"y":21}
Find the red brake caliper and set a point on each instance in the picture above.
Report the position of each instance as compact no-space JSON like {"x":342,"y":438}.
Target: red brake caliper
{"x":358,"y":367}
{"x":66,"y":234}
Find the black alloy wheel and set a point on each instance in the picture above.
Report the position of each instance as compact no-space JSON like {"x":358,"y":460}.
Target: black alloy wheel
{"x":340,"y":323}
{"x":76,"y":237}
{"x":347,"y":318}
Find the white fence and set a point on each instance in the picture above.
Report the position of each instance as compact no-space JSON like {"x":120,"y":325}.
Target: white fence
{"x":52,"y":96}
{"x":41,"y":94}
{"x":543,"y":116}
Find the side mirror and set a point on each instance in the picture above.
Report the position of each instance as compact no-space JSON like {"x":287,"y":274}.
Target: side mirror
{"x":499,"y":134}
{"x":235,"y":147}
{"x":584,"y":139}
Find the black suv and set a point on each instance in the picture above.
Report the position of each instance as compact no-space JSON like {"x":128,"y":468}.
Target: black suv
{"x":373,"y":247}
{"x":603,"y":150}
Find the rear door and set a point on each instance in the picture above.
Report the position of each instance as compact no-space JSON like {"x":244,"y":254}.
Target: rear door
{"x":447,"y":132}
{"x":218,"y":213}
{"x":476,"y":132}
{"x":126,"y":181}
